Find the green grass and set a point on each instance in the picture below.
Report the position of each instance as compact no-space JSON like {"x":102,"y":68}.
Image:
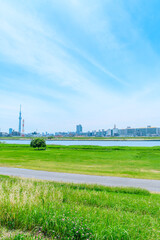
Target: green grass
{"x":106,"y":138}
{"x":17,"y":234}
{"x":32,"y":209}
{"x":134,"y":162}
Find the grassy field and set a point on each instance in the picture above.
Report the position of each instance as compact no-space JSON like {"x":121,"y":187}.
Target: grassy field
{"x":32,"y":209}
{"x":135,"y":162}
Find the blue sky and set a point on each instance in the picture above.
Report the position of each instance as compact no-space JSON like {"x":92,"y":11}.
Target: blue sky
{"x":76,"y":61}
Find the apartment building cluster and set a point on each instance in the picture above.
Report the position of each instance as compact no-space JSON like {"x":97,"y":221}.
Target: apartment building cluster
{"x":115,"y":132}
{"x":127,"y":132}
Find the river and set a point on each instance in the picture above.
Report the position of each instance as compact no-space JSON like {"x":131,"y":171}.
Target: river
{"x":132,"y":143}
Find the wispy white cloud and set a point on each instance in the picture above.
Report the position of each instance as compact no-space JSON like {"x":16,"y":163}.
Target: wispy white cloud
{"x":89,"y":16}
{"x":118,"y":38}
{"x":25,"y":46}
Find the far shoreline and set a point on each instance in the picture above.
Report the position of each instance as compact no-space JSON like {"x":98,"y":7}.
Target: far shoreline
{"x":87,"y":140}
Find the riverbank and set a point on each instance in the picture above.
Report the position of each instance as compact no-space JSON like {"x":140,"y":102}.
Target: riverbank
{"x":132,"y":162}
{"x":86,"y":138}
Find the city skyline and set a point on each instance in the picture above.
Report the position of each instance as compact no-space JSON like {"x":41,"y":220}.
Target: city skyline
{"x":115,"y":131}
{"x":72,"y":61}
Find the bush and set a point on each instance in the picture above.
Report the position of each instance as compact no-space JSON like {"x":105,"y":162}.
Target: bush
{"x":38,"y":143}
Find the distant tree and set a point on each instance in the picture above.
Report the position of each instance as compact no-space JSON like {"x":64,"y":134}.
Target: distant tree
{"x":50,"y":137}
{"x":39,"y":143}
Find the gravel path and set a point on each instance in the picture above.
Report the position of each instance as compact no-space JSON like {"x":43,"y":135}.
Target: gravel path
{"x":151,"y":185}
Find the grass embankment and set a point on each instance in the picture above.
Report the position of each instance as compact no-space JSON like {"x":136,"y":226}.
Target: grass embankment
{"x":32,"y":209}
{"x":134,"y":162}
{"x":141,"y":138}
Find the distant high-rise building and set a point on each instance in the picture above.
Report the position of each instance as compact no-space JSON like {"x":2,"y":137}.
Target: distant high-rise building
{"x":15,"y":133}
{"x":79,"y":129}
{"x":20,"y":120}
{"x":10,"y":131}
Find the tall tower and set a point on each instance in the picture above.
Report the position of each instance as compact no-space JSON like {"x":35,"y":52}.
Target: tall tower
{"x":20,"y":120}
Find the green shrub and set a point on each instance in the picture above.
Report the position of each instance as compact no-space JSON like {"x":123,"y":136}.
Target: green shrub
{"x":38,"y":143}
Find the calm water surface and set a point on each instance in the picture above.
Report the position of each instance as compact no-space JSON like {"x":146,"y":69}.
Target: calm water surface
{"x":96,"y":143}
